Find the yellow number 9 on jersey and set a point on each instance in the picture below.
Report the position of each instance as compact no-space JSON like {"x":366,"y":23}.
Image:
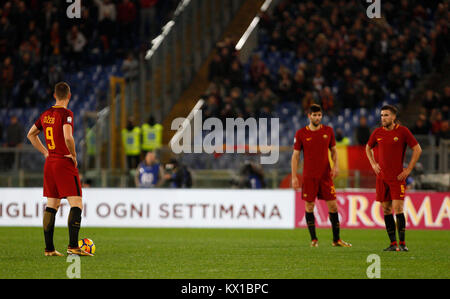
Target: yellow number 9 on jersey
{"x":49,"y":136}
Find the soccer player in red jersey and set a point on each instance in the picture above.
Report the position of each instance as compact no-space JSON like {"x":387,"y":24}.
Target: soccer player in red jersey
{"x":316,"y":140}
{"x":391,"y":140}
{"x":61,"y":179}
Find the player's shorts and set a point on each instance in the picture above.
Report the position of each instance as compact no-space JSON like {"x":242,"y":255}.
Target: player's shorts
{"x":322,"y":189}
{"x":388,"y":190}
{"x":61,"y":179}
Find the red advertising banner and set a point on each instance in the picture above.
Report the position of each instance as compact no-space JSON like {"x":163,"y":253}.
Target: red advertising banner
{"x":423,"y":210}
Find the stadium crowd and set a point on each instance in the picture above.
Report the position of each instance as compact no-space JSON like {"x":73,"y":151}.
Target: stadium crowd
{"x":342,"y":60}
{"x":434,"y":116}
{"x":39,"y":43}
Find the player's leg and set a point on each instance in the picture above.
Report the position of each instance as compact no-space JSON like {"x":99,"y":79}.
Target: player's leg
{"x":311,"y":222}
{"x":53,"y":202}
{"x":309,"y":193}
{"x":401,"y":223}
{"x":74,"y":225}
{"x":74,"y":219}
{"x":49,"y":226}
{"x":335,"y":224}
{"x":384,"y":196}
{"x":390,"y":225}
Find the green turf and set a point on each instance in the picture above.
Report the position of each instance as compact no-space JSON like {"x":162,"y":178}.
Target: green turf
{"x":230,"y":254}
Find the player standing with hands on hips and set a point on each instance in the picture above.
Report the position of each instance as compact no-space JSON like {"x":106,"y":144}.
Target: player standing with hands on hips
{"x":61,"y":179}
{"x":316,"y":140}
{"x":391,"y":140}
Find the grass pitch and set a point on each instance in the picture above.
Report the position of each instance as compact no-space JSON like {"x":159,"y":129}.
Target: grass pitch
{"x":224,"y":254}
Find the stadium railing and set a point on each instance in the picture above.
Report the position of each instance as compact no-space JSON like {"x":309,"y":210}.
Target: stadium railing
{"x":22,"y":167}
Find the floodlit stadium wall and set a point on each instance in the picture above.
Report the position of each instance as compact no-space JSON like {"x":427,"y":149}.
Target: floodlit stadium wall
{"x":275,"y":209}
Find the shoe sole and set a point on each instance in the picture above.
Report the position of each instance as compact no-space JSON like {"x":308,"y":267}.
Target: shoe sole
{"x":79,"y":254}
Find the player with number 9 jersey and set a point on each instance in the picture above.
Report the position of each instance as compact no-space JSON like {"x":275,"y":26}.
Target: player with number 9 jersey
{"x":61,"y":178}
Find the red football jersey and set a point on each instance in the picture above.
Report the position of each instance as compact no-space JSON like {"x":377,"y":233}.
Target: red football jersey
{"x":51,"y":122}
{"x":315,"y":146}
{"x":391,"y":149}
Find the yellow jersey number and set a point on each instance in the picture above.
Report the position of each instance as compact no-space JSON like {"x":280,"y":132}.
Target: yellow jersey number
{"x":49,"y":136}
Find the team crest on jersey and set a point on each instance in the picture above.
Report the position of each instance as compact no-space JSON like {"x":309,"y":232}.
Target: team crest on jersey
{"x":395,"y":139}
{"x":325,"y":136}
{"x":309,"y":139}
{"x":69,"y":120}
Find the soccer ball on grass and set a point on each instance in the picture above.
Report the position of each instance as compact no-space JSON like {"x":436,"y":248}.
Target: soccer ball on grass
{"x":87,"y":245}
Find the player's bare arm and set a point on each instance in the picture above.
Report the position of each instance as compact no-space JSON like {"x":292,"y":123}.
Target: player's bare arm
{"x":33,"y":136}
{"x":335,"y":169}
{"x":162,"y":176}
{"x":375,"y":166}
{"x":294,"y":168}
{"x":417,"y":152}
{"x":136,"y":177}
{"x":70,"y":143}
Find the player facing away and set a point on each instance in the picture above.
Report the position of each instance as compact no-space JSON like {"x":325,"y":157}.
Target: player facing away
{"x":391,"y":140}
{"x":61,"y":179}
{"x":316,"y":140}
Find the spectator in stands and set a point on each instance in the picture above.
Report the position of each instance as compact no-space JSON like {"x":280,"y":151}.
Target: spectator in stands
{"x":362,"y":132}
{"x":422,"y":126}
{"x":431,"y":101}
{"x":436,"y":121}
{"x":148,"y":22}
{"x":235,"y":75}
{"x":265,"y":101}
{"x":285,"y":86}
{"x":411,"y":68}
{"x":130,"y":67}
{"x":251,"y":176}
{"x":6,"y":82}
{"x":307,"y":100}
{"x":131,"y":141}
{"x":212,"y":107}
{"x":87,"y":23}
{"x":55,"y":40}
{"x":14,"y":133}
{"x":8,"y":36}
{"x":178,"y":175}
{"x":14,"y":139}
{"x":444,"y":133}
{"x":327,"y":101}
{"x":340,"y":138}
{"x":396,"y":80}
{"x":149,"y":173}
{"x":107,"y":16}
{"x":237,"y":102}
{"x":424,"y":55}
{"x":27,"y":74}
{"x":216,"y":69}
{"x":301,"y":85}
{"x":126,"y":18}
{"x":446,"y":102}
{"x":49,"y":16}
{"x":77,"y":43}
{"x":366,"y":98}
{"x":257,"y":69}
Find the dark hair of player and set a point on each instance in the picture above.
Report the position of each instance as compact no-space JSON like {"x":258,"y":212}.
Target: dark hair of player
{"x":393,"y":110}
{"x":62,"y":90}
{"x":314,"y":108}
